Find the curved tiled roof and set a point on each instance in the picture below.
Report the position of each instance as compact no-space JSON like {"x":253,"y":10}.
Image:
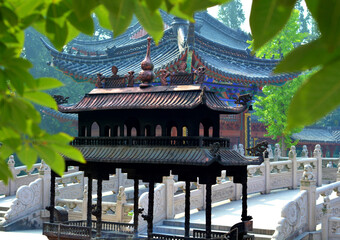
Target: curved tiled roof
{"x":127,"y":58}
{"x":160,"y":97}
{"x":223,"y":51}
{"x":164,"y":155}
{"x":314,"y":135}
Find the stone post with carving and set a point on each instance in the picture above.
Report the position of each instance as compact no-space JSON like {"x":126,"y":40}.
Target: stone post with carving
{"x":292,"y":157}
{"x":121,"y":200}
{"x":45,"y":175}
{"x":267,"y":175}
{"x":169,"y":196}
{"x":238,"y":191}
{"x":277,"y":152}
{"x":11,"y":183}
{"x":326,"y":213}
{"x":308,"y":183}
{"x":318,"y":155}
{"x":84,"y":205}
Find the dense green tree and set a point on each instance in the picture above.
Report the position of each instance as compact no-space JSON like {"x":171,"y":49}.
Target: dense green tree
{"x":285,"y":41}
{"x":303,"y":17}
{"x":272,"y":107}
{"x":231,"y":14}
{"x":319,"y":93}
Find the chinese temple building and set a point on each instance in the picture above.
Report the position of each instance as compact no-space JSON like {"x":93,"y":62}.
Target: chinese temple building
{"x":151,"y":131}
{"x":230,"y":68}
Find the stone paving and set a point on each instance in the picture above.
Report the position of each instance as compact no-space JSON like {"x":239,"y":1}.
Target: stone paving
{"x":264,"y":208}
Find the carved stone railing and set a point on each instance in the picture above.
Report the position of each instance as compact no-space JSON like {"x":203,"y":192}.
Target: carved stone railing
{"x":22,"y":176}
{"x":333,"y":228}
{"x":28,"y":199}
{"x":312,"y":206}
{"x":111,"y":211}
{"x":150,"y":141}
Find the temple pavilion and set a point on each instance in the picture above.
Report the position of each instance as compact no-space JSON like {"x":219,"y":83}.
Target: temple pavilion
{"x":151,"y":131}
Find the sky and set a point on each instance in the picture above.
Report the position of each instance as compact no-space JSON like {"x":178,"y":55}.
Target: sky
{"x":246,"y":8}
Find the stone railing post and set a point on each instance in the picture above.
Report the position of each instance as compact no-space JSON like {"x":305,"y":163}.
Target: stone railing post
{"x":338,"y":174}
{"x":84,"y":204}
{"x":267,"y":175}
{"x":12,"y":182}
{"x":121,"y":200}
{"x":292,"y":157}
{"x":277,"y":152}
{"x":169,"y":196}
{"x":45,"y":175}
{"x":326,"y":210}
{"x":238,"y":191}
{"x":318,"y":155}
{"x":308,"y":183}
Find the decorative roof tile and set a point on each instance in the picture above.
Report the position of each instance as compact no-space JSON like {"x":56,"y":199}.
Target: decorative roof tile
{"x":158,"y":97}
{"x":164,"y":155}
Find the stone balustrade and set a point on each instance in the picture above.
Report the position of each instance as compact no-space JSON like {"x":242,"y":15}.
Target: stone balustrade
{"x":312,"y":206}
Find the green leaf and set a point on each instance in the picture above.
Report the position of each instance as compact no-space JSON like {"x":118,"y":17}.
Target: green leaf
{"x":120,"y":14}
{"x":84,"y":24}
{"x":317,"y":96}
{"x":327,"y":15}
{"x":69,"y":152}
{"x":45,"y":83}
{"x":28,"y":156}
{"x":83,"y":8}
{"x":304,"y":57}
{"x":9,"y":15}
{"x":41,"y":98}
{"x":53,"y":159}
{"x":103,"y":16}
{"x":152,"y":22}
{"x":189,"y":7}
{"x":5,"y":173}
{"x":267,"y":18}
{"x":56,"y":34}
{"x":153,"y":5}
{"x":26,"y":7}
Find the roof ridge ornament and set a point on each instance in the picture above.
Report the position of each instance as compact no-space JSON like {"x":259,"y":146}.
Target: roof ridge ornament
{"x":146,"y":75}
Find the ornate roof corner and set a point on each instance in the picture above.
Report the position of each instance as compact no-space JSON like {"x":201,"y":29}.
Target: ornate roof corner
{"x":60,"y":99}
{"x":259,"y":150}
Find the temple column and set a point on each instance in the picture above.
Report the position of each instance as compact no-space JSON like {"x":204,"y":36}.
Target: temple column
{"x":99,"y":206}
{"x":187,"y":209}
{"x":150,"y":208}
{"x":244,"y":216}
{"x":135,"y":206}
{"x":52,"y":199}
{"x":89,"y":200}
{"x":208,"y":210}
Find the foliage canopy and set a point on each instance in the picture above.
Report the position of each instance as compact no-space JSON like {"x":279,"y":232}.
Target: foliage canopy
{"x":62,"y":20}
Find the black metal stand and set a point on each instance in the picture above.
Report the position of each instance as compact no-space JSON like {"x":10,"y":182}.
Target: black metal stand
{"x":99,"y":206}
{"x":89,"y":200}
{"x":244,"y":216}
{"x":52,"y":199}
{"x":135,"y":206}
{"x":187,"y":209}
{"x":208,"y":210}
{"x":150,"y":210}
